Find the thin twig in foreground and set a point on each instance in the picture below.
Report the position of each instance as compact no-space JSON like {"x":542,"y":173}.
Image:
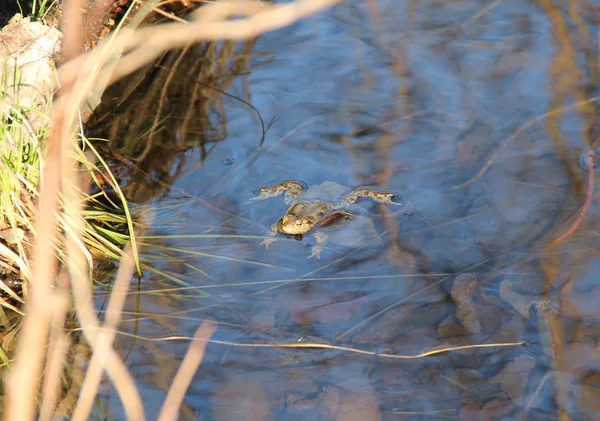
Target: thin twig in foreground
{"x":185,"y":374}
{"x":22,"y":383}
{"x":58,"y":345}
{"x":105,"y":338}
{"x":320,"y":345}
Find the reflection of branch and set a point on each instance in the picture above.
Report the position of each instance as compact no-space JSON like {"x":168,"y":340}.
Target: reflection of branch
{"x":264,"y":128}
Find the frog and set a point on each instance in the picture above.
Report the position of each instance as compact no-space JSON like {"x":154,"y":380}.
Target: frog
{"x":322,"y":208}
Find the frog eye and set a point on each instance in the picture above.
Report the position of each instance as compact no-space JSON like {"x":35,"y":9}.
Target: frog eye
{"x":298,"y":223}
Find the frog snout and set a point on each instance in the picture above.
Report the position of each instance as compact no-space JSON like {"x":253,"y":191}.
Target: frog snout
{"x":292,"y":226}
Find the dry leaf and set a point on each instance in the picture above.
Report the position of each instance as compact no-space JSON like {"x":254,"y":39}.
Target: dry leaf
{"x":491,"y":410}
{"x":451,"y":333}
{"x":319,"y":304}
{"x":512,"y":330}
{"x":356,"y":401}
{"x":513,"y":378}
{"x":462,"y":293}
{"x":386,"y":327}
{"x":241,"y":398}
{"x":519,"y":302}
{"x":581,"y":304}
{"x":580,"y":356}
{"x":321,"y":309}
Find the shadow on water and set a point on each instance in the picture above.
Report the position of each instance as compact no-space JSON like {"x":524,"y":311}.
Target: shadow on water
{"x":475,"y":113}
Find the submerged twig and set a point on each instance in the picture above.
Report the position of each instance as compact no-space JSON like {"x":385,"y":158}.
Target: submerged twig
{"x":324,"y":345}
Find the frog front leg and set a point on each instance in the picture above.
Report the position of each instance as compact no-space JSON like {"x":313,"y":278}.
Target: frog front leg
{"x":321,"y":239}
{"x":272,"y":233}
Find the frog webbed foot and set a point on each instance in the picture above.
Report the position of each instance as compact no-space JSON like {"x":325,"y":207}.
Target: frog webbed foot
{"x":268,"y":241}
{"x":316,"y":252}
{"x":318,"y":248}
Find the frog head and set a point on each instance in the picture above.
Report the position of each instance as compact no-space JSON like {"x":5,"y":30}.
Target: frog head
{"x":293,"y":224}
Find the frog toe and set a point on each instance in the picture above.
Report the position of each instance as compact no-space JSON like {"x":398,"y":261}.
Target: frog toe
{"x":267,"y":242}
{"x":316,"y":252}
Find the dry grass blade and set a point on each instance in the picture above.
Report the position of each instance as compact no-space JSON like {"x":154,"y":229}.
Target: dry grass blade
{"x":187,"y":369}
{"x":105,"y":337}
{"x":23,"y":380}
{"x":324,"y":345}
{"x":57,"y":350}
{"x":81,"y":287}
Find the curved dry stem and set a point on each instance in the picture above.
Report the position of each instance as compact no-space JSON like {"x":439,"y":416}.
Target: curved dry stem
{"x":586,"y":204}
{"x":105,"y":338}
{"x":82,"y":292}
{"x":185,"y":373}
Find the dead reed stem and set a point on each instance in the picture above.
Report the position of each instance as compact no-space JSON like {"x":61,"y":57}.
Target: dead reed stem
{"x":185,"y":374}
{"x":23,"y":380}
{"x":57,"y":349}
{"x":104,"y":340}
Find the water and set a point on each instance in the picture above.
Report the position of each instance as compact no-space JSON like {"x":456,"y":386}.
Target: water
{"x":465,"y":109}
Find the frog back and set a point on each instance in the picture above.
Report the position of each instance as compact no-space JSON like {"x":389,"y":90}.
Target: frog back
{"x":328,"y":191}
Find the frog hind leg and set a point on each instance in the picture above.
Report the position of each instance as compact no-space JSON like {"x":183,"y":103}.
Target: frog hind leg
{"x":376,"y":195}
{"x":316,"y":250}
{"x":291,"y":189}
